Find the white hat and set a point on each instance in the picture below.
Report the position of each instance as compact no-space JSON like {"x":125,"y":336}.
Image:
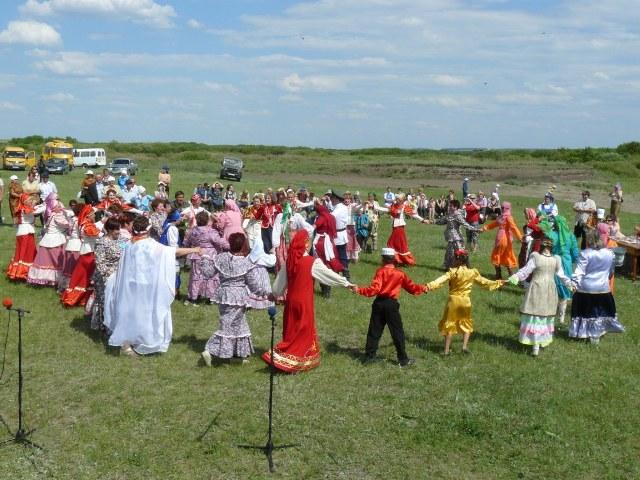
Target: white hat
{"x":466,"y":179}
{"x":13,"y":177}
{"x":388,"y":252}
{"x":600,"y":213}
{"x":89,"y":172}
{"x":123,"y":170}
{"x":141,"y":189}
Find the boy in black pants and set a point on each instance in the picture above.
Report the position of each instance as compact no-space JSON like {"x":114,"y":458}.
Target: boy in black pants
{"x":385,"y":286}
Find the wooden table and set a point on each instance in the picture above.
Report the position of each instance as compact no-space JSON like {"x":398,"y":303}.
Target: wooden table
{"x":633,"y":249}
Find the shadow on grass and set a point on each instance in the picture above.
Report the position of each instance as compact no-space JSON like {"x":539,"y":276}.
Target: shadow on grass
{"x":510,"y":343}
{"x":423,"y":343}
{"x":83,"y":325}
{"x":353,"y":352}
{"x":194,"y":343}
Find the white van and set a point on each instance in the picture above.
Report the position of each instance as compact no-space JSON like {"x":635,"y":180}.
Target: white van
{"x":89,"y":157}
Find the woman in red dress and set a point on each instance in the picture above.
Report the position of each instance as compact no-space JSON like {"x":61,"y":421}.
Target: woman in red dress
{"x":25,"y":251}
{"x":398,"y":210}
{"x":299,"y":349}
{"x":79,"y":289}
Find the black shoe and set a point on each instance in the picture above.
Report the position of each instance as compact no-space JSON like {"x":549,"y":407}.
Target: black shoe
{"x":407,"y":362}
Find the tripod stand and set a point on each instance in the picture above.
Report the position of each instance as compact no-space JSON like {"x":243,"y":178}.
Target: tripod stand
{"x":21,"y":436}
{"x":269,"y":447}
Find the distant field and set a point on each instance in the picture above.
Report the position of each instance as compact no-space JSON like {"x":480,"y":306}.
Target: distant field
{"x":572,"y":413}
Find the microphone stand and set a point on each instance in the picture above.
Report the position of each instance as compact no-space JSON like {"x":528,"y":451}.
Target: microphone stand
{"x":269,"y":447}
{"x":21,"y":436}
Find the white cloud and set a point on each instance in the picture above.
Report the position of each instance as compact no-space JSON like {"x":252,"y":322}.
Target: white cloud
{"x":10,"y":107}
{"x":295,"y":83}
{"x":601,"y":76}
{"x":221,"y":87}
{"x":141,"y":11}
{"x":291,"y":98}
{"x":195,"y":24}
{"x":31,"y":33}
{"x":70,"y":63}
{"x":61,"y":97}
{"x":532,"y":98}
{"x":448,"y":80}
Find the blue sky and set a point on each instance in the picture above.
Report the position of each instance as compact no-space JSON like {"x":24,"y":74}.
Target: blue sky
{"x":328,"y":73}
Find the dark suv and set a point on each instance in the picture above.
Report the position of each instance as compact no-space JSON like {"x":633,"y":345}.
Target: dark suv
{"x":231,"y":168}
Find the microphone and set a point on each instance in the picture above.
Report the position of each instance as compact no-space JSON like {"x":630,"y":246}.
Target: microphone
{"x":272,"y":311}
{"x":7,"y":302}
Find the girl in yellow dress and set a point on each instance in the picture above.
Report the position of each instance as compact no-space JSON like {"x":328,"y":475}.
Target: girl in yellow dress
{"x":456,"y":318}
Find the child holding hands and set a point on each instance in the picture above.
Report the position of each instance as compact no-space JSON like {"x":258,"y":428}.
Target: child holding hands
{"x":456,"y":318}
{"x":386,"y":286}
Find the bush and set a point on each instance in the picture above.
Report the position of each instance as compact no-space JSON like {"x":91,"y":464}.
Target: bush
{"x":630,"y":148}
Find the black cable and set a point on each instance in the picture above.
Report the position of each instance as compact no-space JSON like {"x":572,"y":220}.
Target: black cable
{"x":4,"y":353}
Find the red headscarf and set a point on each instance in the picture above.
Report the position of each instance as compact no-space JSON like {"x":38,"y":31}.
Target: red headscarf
{"x":84,"y":214}
{"x":325,"y":222}
{"x":22,"y":205}
{"x":297,"y":249}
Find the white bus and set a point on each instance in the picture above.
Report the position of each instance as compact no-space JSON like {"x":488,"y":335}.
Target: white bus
{"x":89,"y":157}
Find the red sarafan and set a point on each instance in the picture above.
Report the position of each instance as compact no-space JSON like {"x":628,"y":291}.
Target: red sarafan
{"x":7,"y":302}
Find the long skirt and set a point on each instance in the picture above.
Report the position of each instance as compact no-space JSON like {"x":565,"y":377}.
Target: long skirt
{"x":79,"y":289}
{"x":47,"y":266}
{"x":23,"y":257}
{"x":68,"y":266}
{"x":353,"y":248}
{"x":450,"y":253}
{"x":593,"y":315}
{"x":398,"y":241}
{"x":199,"y":285}
{"x":535,"y":330}
{"x":233,"y":337}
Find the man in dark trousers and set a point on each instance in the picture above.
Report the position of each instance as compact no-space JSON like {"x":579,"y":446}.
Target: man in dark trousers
{"x":385,"y":286}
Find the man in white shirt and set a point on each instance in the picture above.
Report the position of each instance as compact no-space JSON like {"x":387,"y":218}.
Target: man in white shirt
{"x":341,"y":213}
{"x":389,"y":197}
{"x":584,"y":209}
{"x":46,"y":187}
{"x":1,"y":197}
{"x":130,"y":192}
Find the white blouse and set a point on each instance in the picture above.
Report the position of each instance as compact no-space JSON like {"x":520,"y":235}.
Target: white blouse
{"x":319,"y":271}
{"x":593,"y":270}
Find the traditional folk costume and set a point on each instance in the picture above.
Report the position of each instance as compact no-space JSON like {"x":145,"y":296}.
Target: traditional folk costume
{"x":299,"y":349}
{"x":324,"y":245}
{"x":285,"y":226}
{"x":191,"y":211}
{"x":452,"y":235}
{"x":565,"y":245}
{"x":456,"y":318}
{"x":502,"y":254}
{"x":25,"y":251}
{"x":538,"y":309}
{"x":243,"y":284}
{"x":170,"y":237}
{"x":371,"y":210}
{"x":533,"y":236}
{"x":211,"y":243}
{"x":353,"y":247}
{"x":49,"y":262}
{"x":398,"y":238}
{"x":71,"y":252}
{"x":108,"y":252}
{"x":386,"y":285}
{"x":138,"y":300}
{"x":593,"y":310}
{"x":80,"y":289}
{"x":266,"y":214}
{"x":251,"y":225}
{"x":230,"y":220}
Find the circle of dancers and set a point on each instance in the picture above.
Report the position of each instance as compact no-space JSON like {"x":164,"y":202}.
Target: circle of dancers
{"x":118,"y":253}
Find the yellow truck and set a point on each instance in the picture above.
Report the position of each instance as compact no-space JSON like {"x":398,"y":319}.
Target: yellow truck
{"x":58,"y":156}
{"x":16,"y":158}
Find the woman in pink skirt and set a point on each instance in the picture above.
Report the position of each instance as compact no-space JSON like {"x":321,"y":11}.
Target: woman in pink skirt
{"x":72,"y":248}
{"x":47,"y":266}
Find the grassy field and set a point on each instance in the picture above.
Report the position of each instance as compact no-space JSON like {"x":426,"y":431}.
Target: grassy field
{"x":499,"y":413}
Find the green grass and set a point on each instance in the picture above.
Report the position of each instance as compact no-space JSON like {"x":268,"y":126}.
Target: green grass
{"x":571,"y":413}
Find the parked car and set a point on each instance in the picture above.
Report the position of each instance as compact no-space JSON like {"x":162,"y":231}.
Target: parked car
{"x":231,"y":168}
{"x":119,"y":163}
{"x":58,"y":165}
